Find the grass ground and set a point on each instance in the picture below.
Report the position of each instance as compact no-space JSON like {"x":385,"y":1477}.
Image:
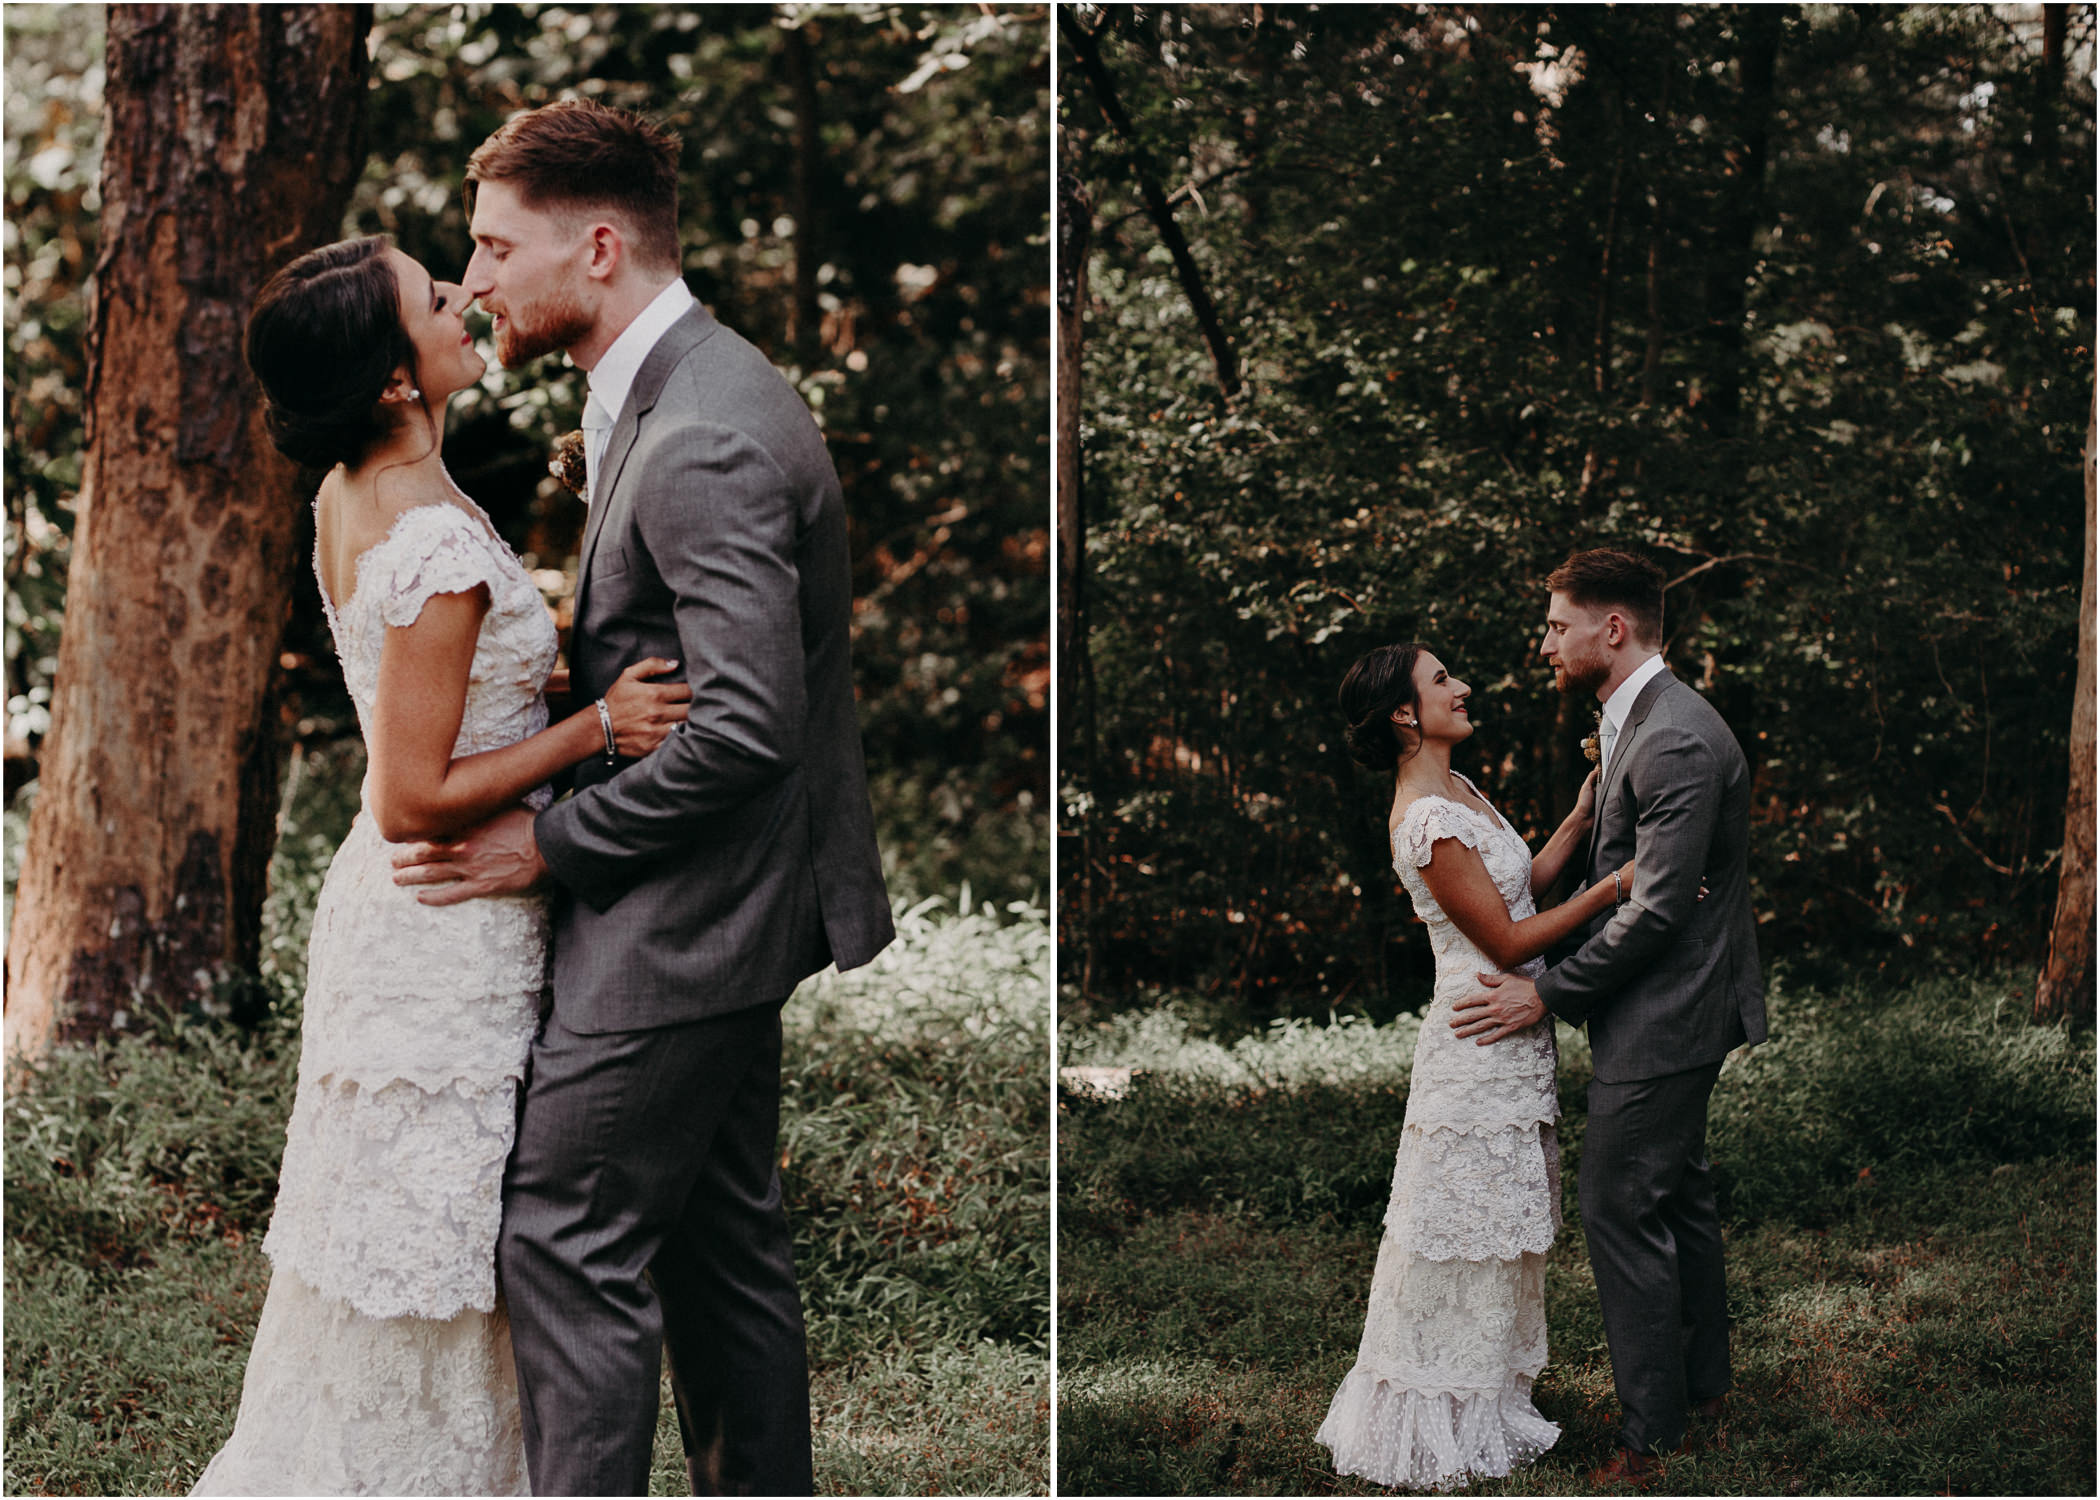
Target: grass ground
{"x":1914,"y":1314}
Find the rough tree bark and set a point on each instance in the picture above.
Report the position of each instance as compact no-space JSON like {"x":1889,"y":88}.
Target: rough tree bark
{"x":1075,"y":661}
{"x":2066,"y":988}
{"x":231,"y":143}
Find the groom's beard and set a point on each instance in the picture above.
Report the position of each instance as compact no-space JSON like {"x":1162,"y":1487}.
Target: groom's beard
{"x":556,"y":322}
{"x":1579,"y":677}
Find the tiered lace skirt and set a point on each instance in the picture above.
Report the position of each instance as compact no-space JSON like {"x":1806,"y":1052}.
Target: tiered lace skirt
{"x":1456,"y":1327}
{"x":338,"y":1403}
{"x":382,"y":1361}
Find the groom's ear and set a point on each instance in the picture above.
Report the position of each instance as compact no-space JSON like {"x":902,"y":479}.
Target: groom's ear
{"x":608,"y":251}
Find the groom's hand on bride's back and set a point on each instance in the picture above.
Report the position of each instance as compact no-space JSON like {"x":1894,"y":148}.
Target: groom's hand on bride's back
{"x":498,"y":858}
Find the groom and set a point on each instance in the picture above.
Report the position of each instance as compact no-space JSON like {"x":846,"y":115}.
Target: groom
{"x":1668,"y":984}
{"x":694,"y":888}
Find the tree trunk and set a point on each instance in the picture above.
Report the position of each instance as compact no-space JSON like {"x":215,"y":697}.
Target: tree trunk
{"x":1087,"y":50}
{"x":232,"y":142}
{"x":1658,"y":200}
{"x":1728,"y":269}
{"x":1600,"y":338}
{"x":2066,"y":986}
{"x":1075,"y":661}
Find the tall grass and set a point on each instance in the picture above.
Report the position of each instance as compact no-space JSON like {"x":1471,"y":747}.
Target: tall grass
{"x":916,"y":1138}
{"x":1908,"y":1184}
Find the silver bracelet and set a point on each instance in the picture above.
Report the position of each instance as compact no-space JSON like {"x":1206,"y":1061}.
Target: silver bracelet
{"x":605,"y":723}
{"x":1618,"y":891}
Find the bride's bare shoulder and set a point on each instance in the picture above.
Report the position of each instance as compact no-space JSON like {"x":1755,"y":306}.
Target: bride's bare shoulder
{"x":354,"y":514}
{"x":1401,"y":809}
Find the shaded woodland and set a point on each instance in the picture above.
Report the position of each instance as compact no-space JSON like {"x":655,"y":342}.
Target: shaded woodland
{"x":1386,"y":309}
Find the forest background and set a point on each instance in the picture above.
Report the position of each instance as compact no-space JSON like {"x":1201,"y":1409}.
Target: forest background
{"x":1368,"y":315}
{"x":865,"y":195}
{"x":1390,"y":308}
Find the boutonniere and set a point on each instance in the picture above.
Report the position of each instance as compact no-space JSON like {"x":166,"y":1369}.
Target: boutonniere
{"x":1592,"y":751}
{"x":567,"y":464}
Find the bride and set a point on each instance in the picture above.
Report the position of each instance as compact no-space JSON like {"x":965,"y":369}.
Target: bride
{"x":1456,"y":1330}
{"x":382,"y":1361}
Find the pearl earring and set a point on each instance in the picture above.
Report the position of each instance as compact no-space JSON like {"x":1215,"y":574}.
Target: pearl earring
{"x":414,"y":394}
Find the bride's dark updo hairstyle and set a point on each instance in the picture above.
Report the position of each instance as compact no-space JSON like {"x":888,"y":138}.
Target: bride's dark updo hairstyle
{"x":323,"y":341}
{"x":1379,"y":682}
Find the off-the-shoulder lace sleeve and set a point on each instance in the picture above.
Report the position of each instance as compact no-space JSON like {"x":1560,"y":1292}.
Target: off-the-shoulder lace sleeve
{"x":434,"y":549}
{"x":1428,"y":819}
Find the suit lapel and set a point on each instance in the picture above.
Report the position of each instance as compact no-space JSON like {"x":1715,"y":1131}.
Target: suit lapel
{"x":1615,"y":775}
{"x":677,"y":341}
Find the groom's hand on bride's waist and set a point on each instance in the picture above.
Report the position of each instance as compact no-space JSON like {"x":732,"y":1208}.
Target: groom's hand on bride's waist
{"x":499,"y":858}
{"x":1508,"y":1005}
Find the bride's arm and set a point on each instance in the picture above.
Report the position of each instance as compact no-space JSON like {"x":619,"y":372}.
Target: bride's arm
{"x":418,"y":790}
{"x":1550,"y":861}
{"x":1467,"y":893}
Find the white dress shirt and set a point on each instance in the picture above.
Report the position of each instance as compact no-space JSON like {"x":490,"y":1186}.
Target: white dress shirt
{"x":613,"y":376}
{"x":1620,"y":704}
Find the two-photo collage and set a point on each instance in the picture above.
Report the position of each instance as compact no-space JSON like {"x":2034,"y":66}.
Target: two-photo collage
{"x":1049,"y":749}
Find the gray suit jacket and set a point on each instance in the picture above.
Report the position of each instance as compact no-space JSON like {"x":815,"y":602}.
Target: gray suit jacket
{"x":1666,"y":981}
{"x":740,"y":857}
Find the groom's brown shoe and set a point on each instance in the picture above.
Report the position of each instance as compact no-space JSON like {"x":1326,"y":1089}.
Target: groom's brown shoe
{"x":1626,"y":1470}
{"x":1708,"y":1433}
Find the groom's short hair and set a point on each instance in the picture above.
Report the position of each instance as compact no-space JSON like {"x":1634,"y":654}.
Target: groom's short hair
{"x":1603,"y":579}
{"x":582,"y":155}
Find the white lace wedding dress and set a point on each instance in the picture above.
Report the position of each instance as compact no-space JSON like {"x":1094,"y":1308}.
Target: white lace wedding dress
{"x":1456,"y":1330}
{"x":382,"y":1362}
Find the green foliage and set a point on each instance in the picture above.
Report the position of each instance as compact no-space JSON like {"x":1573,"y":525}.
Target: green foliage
{"x":916,"y":1138}
{"x":970,"y":1421}
{"x":113,"y":1148}
{"x":1290,"y":1053}
{"x":1863,"y":1094}
{"x":140,"y":1174}
{"x":52,"y":165}
{"x":933,"y":833}
{"x":1299,"y":1155}
{"x":1926,"y":1328}
{"x":319,"y":800}
{"x":1844,"y":413}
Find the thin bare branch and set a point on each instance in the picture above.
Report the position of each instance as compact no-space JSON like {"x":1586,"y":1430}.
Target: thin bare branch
{"x":1955,"y":823}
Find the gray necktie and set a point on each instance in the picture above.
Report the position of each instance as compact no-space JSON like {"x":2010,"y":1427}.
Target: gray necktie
{"x":1606,"y":733}
{"x":597,"y":426}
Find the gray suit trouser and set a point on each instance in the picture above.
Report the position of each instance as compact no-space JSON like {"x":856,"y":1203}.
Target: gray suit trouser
{"x":1655,"y":1245}
{"x":642,"y":1205}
